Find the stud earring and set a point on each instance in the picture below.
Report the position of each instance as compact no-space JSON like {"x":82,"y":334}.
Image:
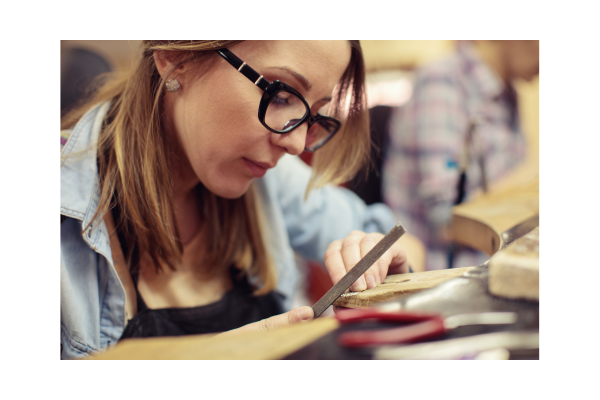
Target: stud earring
{"x":172,"y":85}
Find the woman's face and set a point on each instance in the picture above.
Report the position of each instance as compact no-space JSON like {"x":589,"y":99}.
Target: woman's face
{"x":215,"y":115}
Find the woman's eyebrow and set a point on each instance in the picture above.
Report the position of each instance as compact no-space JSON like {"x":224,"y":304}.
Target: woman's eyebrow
{"x":303,"y":81}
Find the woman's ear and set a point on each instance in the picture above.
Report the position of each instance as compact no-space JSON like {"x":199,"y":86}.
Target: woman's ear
{"x":164,"y":62}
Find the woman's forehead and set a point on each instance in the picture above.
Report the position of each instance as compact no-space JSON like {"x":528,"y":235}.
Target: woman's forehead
{"x":320,"y":62}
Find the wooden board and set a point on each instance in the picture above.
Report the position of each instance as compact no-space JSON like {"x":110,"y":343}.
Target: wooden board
{"x":479,"y":223}
{"x":515,"y":270}
{"x":270,"y":345}
{"x":397,"y":285}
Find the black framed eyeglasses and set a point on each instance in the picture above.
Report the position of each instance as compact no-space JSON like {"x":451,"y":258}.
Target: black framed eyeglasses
{"x":282,"y":108}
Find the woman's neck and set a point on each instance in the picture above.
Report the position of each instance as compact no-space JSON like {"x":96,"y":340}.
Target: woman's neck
{"x":188,"y":215}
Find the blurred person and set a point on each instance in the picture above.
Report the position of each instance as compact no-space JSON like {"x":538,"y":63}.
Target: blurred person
{"x":459,"y":132}
{"x":182,"y":202}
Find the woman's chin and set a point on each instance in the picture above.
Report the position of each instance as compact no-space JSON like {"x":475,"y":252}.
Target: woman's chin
{"x":231,"y":191}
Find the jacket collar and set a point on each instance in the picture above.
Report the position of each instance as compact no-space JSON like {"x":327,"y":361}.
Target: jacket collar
{"x":79,"y":188}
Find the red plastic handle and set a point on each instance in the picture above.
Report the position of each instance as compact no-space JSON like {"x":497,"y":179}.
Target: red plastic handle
{"x":355,"y":315}
{"x":404,"y":334}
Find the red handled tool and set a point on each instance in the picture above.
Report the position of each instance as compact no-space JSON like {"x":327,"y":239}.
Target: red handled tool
{"x":421,"y":326}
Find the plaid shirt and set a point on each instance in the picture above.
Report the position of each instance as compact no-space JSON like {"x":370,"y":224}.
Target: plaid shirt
{"x":428,"y":136}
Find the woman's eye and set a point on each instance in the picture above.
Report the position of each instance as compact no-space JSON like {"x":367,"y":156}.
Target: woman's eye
{"x":281,"y":98}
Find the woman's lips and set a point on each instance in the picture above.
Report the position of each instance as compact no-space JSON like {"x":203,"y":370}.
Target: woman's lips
{"x":257,"y":169}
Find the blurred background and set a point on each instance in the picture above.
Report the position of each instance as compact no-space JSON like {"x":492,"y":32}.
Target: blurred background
{"x":390,"y":65}
{"x":390,"y":62}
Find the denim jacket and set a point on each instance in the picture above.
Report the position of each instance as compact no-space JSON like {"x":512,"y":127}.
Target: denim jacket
{"x":92,"y":295}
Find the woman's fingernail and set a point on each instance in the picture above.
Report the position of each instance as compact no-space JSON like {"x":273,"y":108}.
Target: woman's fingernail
{"x":305,"y":314}
{"x":371,"y":282}
{"x":360,"y":284}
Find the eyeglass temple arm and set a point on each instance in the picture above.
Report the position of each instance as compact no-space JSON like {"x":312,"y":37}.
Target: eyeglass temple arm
{"x":244,"y":69}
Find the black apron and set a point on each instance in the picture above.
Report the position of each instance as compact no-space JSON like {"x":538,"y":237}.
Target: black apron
{"x":236,"y":308}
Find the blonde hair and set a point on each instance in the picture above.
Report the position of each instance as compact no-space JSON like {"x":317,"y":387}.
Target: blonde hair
{"x":133,"y":164}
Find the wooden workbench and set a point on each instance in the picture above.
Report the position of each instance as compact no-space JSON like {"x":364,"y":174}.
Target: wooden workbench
{"x":270,"y":345}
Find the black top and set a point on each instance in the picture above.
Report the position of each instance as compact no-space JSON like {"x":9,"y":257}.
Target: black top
{"x":236,"y":308}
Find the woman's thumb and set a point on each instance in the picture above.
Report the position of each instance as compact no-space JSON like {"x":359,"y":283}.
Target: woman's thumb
{"x":292,"y":317}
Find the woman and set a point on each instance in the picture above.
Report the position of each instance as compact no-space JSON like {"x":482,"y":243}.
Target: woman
{"x":180,"y":209}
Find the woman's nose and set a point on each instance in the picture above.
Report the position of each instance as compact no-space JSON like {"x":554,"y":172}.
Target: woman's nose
{"x":293,"y":142}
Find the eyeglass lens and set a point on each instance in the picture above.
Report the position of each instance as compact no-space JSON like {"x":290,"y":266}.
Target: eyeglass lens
{"x":318,"y":133}
{"x":283,"y":108}
{"x":286,"y":110}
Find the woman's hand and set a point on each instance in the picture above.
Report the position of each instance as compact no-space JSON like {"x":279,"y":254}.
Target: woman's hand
{"x":344,"y":254}
{"x":299,"y":314}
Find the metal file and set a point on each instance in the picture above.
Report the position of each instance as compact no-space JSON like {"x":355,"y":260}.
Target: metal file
{"x":351,"y":276}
